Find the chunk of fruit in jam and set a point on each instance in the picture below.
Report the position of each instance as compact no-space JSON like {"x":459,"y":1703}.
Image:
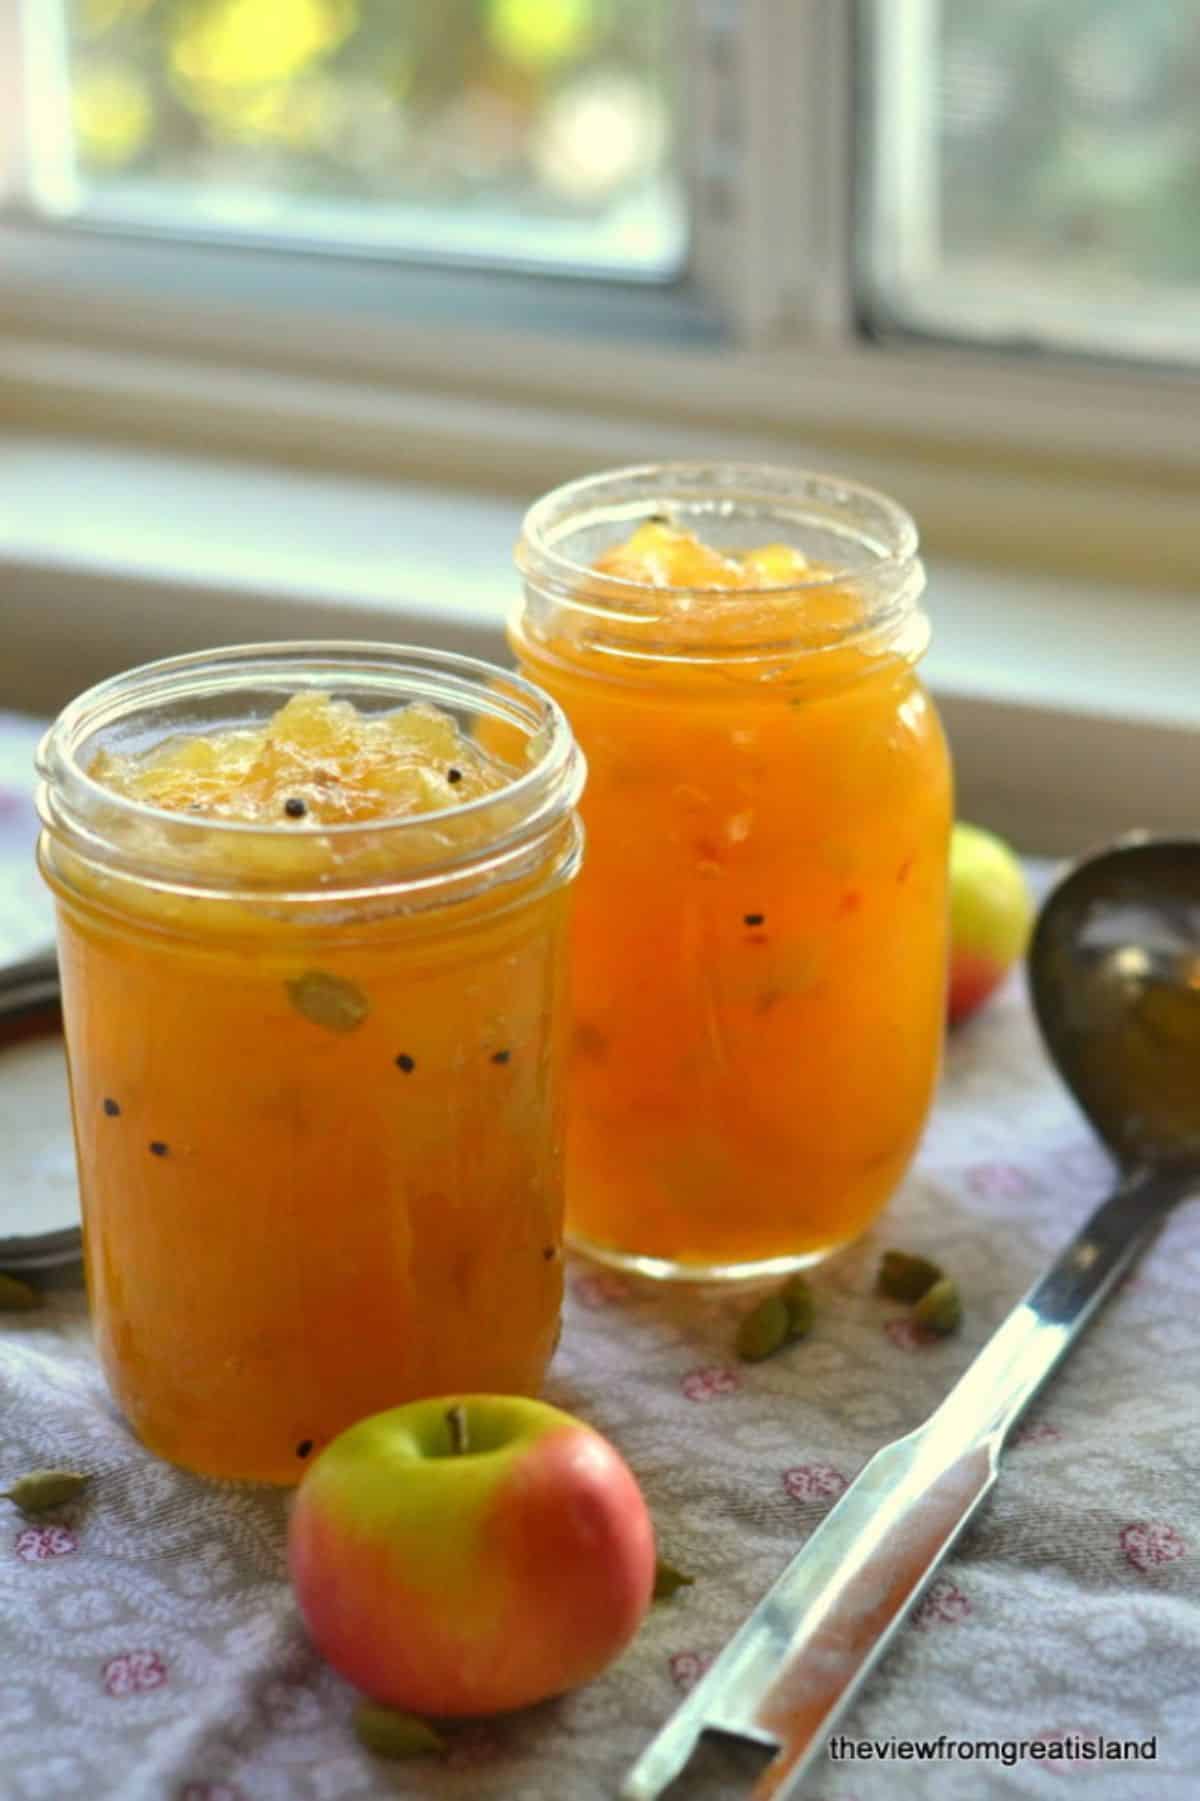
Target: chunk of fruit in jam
{"x":317,"y":761}
{"x":782,"y":588}
{"x":662,"y":555}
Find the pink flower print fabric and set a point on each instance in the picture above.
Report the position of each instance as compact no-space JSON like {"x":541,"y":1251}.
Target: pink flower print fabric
{"x":151,"y":1649}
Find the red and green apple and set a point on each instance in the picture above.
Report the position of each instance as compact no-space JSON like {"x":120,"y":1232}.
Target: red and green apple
{"x":467,"y":1555}
{"x":991,"y":911}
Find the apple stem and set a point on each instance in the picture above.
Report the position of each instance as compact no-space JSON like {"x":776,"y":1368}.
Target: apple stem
{"x":456,"y":1420}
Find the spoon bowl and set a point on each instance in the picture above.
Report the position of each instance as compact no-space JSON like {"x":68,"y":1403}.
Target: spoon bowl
{"x":1114,"y":972}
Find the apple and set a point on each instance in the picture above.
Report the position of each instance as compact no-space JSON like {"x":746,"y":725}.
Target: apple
{"x":470,"y":1554}
{"x":991,"y":911}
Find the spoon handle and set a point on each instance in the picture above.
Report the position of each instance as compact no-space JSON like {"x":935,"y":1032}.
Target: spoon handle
{"x":996,"y":1388}
{"x":789,"y":1672}
{"x":29,"y":994}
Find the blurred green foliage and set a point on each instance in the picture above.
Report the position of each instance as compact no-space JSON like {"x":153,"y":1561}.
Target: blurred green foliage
{"x":562,"y":103}
{"x":1069,"y":133}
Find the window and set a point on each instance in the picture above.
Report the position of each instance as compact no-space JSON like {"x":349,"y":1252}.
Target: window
{"x":538,"y":132}
{"x":1033,"y":172}
{"x":1020,"y":177}
{"x":300,"y":300}
{"x":842,"y":229}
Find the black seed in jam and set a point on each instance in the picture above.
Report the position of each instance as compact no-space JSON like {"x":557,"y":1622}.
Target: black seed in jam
{"x":111,"y":1108}
{"x":157,"y":1148}
{"x":304,"y":1448}
{"x":550,"y":1252}
{"x":753,"y":919}
{"x":589,"y":1041}
{"x":454,"y":775}
{"x":405,"y":1062}
{"x":294,"y":807}
{"x":501,"y":1056}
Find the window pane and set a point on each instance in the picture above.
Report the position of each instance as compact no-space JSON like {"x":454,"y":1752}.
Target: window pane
{"x":534,"y":131}
{"x":1034,"y":173}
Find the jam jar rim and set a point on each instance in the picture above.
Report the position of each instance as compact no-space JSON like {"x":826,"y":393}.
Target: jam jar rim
{"x":890,"y":579}
{"x":543,"y":561}
{"x":545,"y":795}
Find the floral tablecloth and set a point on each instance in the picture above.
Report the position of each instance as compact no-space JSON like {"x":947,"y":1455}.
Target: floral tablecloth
{"x":149,"y":1648}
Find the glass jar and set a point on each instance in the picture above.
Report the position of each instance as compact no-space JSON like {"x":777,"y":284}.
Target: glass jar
{"x":760,"y":935}
{"x":315,"y":1070}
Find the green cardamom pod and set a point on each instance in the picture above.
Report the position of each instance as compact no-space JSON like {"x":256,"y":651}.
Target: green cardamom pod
{"x":328,"y":1001}
{"x":797,"y":1297}
{"x":668,"y":1580}
{"x":43,"y":1489}
{"x":940,"y":1307}
{"x":17,"y":1296}
{"x":391,"y":1734}
{"x":905,"y":1278}
{"x":764,"y":1330}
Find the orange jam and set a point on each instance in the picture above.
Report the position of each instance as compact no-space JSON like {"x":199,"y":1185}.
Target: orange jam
{"x":759,"y":945}
{"x":312,"y":1004}
{"x":317,"y":760}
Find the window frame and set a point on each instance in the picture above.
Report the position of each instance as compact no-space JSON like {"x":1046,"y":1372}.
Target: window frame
{"x":504,"y":378}
{"x":898,"y":234}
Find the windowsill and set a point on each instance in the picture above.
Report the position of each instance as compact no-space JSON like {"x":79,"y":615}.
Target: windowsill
{"x":1073,"y":708}
{"x":510,"y":383}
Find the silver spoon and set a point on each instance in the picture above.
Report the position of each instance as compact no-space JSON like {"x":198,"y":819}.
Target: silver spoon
{"x":1114,"y":970}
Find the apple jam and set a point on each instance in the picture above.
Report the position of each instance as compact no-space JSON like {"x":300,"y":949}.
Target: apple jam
{"x":759,"y":951}
{"x":312,"y":941}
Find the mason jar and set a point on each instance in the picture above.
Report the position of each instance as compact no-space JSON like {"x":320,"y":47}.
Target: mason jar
{"x":760,"y":935}
{"x":316,"y":1069}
